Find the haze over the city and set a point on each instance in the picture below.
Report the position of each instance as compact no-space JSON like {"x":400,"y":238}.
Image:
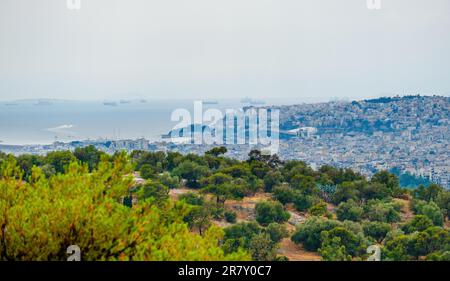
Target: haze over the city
{"x":111,"y":49}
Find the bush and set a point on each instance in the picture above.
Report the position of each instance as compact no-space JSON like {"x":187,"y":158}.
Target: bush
{"x":270,"y":211}
{"x":261,"y":248}
{"x":377,"y":210}
{"x":376,"y":230}
{"x":443,"y":201}
{"x":86,"y":208}
{"x":276,"y":232}
{"x":146,"y":171}
{"x":284,"y":194}
{"x":397,"y":249}
{"x":309,"y":232}
{"x":239,"y":236}
{"x":439,"y":256}
{"x":354,"y":245}
{"x":273,"y":178}
{"x":431,"y":210}
{"x":153,"y":189}
{"x":319,"y":209}
{"x":303,"y":202}
{"x":430,"y":193}
{"x":230,"y":217}
{"x":169,"y":181}
{"x":419,"y":223}
{"x":345,"y":191}
{"x":192,"y":199}
{"x":412,"y":246}
{"x":332,"y":248}
{"x":349,"y":211}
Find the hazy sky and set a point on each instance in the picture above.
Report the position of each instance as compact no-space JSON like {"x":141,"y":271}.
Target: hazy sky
{"x":223,"y":49}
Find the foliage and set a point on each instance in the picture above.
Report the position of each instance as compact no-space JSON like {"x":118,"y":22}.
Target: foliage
{"x":349,"y":210}
{"x":216,"y":151}
{"x":168,"y":180}
{"x":39,"y":219}
{"x":430,"y":209}
{"x":309,"y":232}
{"x":443,"y":201}
{"x":199,"y":217}
{"x":146,"y":171}
{"x":376,"y":230}
{"x":270,"y":211}
{"x":152,"y":189}
{"x":332,"y":248}
{"x":59,"y":160}
{"x":418,"y":244}
{"x":345,"y":191}
{"x":190,"y":171}
{"x":284,"y":194}
{"x":230,"y":217}
{"x":262,"y":248}
{"x":223,"y":187}
{"x":378,"y":210}
{"x":429,"y":193}
{"x":89,"y":155}
{"x":192,"y":198}
{"x":271,"y":179}
{"x":390,"y":181}
{"x":88,"y":198}
{"x":419,"y":223}
{"x":319,"y":209}
{"x":303,"y":202}
{"x":276,"y":232}
{"x":354,"y":244}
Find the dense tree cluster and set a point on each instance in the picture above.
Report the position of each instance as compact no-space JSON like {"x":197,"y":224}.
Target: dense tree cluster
{"x":87,"y":198}
{"x":41,"y":217}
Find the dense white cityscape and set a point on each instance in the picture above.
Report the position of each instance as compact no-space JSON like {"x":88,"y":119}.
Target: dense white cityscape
{"x":410,"y":134}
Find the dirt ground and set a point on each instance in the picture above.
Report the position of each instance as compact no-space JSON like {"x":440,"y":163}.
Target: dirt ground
{"x":295,"y":252}
{"x":245,"y":210}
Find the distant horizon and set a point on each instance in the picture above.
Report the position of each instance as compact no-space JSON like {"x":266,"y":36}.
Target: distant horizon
{"x":319,"y":100}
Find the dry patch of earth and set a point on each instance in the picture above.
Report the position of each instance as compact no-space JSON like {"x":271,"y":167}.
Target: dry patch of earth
{"x":295,"y":252}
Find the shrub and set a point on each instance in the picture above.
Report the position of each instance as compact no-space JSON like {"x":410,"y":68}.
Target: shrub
{"x":284,"y":194}
{"x":261,"y":248}
{"x":192,"y":198}
{"x":303,"y":202}
{"x":431,"y":210}
{"x":377,"y":210}
{"x":309,"y":232}
{"x":270,"y":211}
{"x":439,"y":256}
{"x":230,"y":217}
{"x":276,"y":232}
{"x":354,"y":245}
{"x":349,"y":211}
{"x":153,"y":189}
{"x":146,"y":171}
{"x":418,"y":223}
{"x":332,"y":248}
{"x":345,"y":191}
{"x":239,"y":236}
{"x":168,"y":180}
{"x":319,"y":209}
{"x":376,"y":230}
